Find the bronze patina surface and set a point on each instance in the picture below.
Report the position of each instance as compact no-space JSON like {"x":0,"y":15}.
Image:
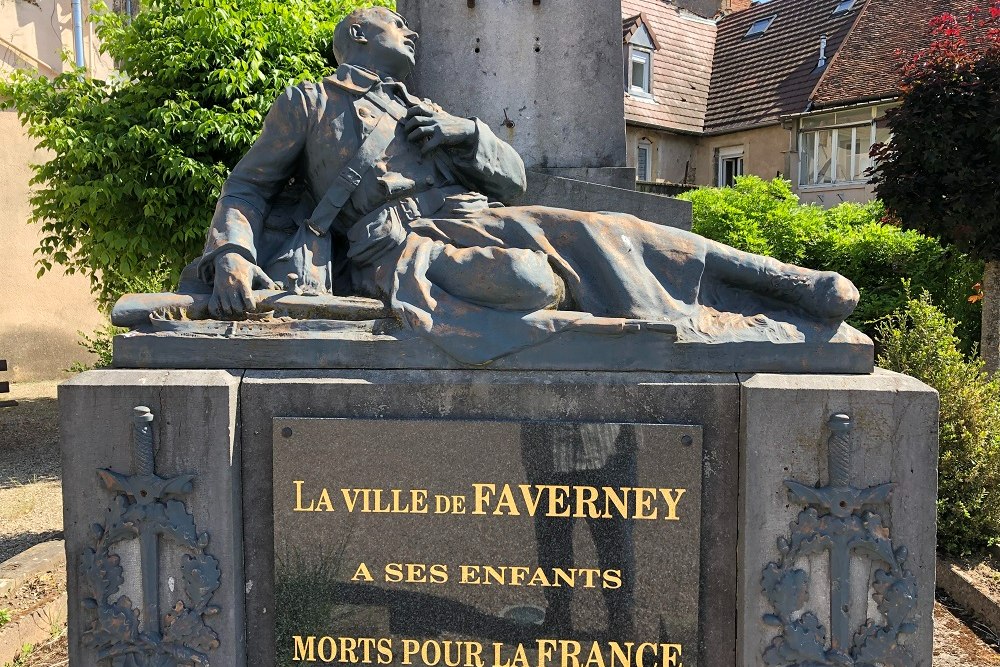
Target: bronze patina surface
{"x":356,"y":188}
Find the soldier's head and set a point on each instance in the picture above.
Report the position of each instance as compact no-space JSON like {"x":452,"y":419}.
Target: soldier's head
{"x":378,"y":39}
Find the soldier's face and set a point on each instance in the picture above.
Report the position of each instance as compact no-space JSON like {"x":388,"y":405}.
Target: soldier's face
{"x":391,"y":43}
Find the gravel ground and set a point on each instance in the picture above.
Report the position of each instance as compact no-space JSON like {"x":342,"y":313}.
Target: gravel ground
{"x":31,"y":512}
{"x":30,"y":492}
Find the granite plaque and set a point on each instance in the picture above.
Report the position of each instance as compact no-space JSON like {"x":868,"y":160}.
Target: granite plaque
{"x":486,"y":543}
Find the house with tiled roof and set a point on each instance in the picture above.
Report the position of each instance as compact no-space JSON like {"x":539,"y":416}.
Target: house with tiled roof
{"x":666,"y":87}
{"x":796,"y":88}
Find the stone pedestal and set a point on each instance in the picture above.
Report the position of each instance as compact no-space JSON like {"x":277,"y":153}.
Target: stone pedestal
{"x":757,"y":432}
{"x":894,"y":440}
{"x":196,"y":432}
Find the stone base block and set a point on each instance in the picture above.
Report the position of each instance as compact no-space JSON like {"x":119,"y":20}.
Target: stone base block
{"x":861,"y":548}
{"x":197,"y":531}
{"x":785,"y":435}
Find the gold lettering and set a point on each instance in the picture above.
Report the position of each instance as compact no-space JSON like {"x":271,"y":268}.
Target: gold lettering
{"x":329,"y":653}
{"x":570,"y":653}
{"x":672,"y":500}
{"x":596,"y":658}
{"x":304,"y":649}
{"x":350,"y":497}
{"x":362,"y":573}
{"x":418,"y":501}
{"x":506,"y":500}
{"x":298,"y":498}
{"x":643,"y":499}
{"x":474,"y":658}
{"x":324,"y":504}
{"x":545,"y":649}
{"x":620,"y":502}
{"x":439,"y":573}
{"x":531,"y":502}
{"x":385,"y":650}
{"x":586,"y":503}
{"x":564,"y":577}
{"x":641,"y":654}
{"x":557,"y":500}
{"x":483,"y":493}
{"x":394,"y":573}
{"x":622,"y":658}
{"x":539,"y":578}
{"x":348,"y":648}
{"x":497,"y":658}
{"x":411,"y":647}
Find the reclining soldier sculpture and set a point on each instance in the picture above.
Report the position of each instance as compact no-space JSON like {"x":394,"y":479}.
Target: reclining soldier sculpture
{"x":359,"y":188}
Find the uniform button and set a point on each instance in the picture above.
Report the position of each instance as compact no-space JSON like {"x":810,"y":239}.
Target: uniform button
{"x":429,"y":180}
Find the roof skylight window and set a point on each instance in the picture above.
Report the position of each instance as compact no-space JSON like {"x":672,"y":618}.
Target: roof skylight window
{"x":760,"y":26}
{"x":844,"y":6}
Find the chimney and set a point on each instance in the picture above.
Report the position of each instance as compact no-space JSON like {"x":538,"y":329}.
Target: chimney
{"x":822,"y":52}
{"x":733,"y":6}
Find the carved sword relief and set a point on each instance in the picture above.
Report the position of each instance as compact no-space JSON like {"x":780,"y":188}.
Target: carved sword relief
{"x":147,"y":508}
{"x":841,"y":520}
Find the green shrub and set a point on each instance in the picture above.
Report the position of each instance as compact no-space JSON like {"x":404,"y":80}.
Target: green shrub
{"x":765,"y":217}
{"x":920,"y":341}
{"x":136,"y":162}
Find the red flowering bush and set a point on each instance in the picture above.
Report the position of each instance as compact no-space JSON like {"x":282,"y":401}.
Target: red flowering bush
{"x":940,"y":173}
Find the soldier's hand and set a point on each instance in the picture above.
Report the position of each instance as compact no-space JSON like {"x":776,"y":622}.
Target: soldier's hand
{"x":232,"y":293}
{"x":437,"y":128}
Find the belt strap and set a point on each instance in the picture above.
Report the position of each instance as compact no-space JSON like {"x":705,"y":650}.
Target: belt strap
{"x":349,"y":178}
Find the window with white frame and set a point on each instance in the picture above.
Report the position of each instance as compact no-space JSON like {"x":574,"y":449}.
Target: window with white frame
{"x":834,"y":147}
{"x":760,"y":26}
{"x":730,"y":166}
{"x":644,"y":161}
{"x":639,"y":63}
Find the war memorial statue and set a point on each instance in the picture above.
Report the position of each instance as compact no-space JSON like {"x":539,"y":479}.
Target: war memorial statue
{"x":358,"y":188}
{"x":387,"y":417}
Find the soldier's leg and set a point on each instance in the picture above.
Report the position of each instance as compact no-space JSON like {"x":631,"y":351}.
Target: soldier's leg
{"x":824,"y":294}
{"x":501,"y":278}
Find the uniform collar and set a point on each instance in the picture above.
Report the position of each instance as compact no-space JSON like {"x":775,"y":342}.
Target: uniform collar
{"x":354,"y":79}
{"x":359,"y":81}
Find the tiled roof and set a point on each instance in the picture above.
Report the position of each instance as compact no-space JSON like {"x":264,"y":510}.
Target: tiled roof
{"x":864,"y":67}
{"x":682,"y":66}
{"x":756,"y":80}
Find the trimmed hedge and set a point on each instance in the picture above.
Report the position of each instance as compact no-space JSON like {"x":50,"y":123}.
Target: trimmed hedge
{"x":919,"y":340}
{"x":766,"y":217}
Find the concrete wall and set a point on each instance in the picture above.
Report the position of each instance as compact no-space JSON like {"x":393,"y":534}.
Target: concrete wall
{"x":39,"y":318}
{"x":34,"y":37}
{"x":673,"y":158}
{"x":563,"y":94}
{"x":765,"y":153}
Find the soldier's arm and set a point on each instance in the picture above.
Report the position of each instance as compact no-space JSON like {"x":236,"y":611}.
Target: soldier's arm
{"x":264,"y":170}
{"x":491,"y":164}
{"x":484,"y":163}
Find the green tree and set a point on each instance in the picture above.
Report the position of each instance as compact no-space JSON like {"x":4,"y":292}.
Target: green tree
{"x":137,"y":161}
{"x":938,"y":173}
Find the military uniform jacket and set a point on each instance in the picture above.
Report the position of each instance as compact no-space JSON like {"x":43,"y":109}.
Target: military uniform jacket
{"x":427,"y":234}
{"x":311,"y":134}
